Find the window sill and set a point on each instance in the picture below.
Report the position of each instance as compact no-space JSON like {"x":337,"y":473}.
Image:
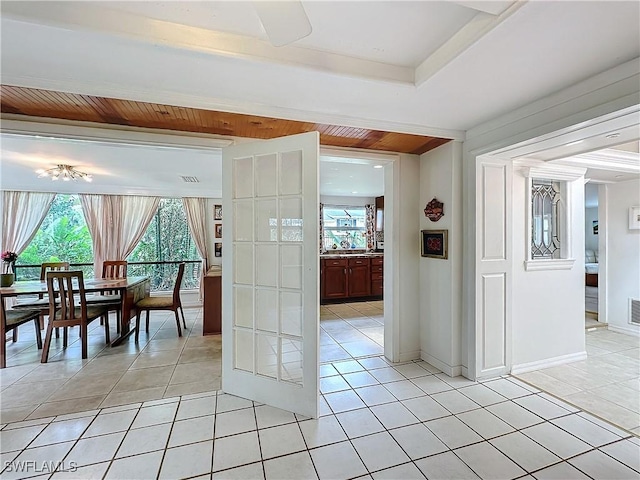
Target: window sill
{"x":555,"y":264}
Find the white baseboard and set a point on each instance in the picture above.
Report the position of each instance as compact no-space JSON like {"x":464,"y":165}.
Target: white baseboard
{"x":548,"y":362}
{"x":445,"y":368}
{"x":408,"y":356}
{"x":626,"y":330}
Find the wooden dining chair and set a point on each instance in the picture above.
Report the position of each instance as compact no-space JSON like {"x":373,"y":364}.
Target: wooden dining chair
{"x":68,"y":307}
{"x":164,"y":302}
{"x":117,"y":270}
{"x":42,"y":303}
{"x":10,"y":320}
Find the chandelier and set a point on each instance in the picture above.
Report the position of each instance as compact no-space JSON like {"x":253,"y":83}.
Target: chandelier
{"x":64,"y":172}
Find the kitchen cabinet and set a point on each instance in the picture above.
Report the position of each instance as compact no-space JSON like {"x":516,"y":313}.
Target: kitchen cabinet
{"x":350,"y":277}
{"x":379,"y":214}
{"x":358,"y":278}
{"x":333,"y":278}
{"x":377,"y":276}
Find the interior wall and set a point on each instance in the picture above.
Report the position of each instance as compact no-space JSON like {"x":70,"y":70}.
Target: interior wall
{"x":590,"y":239}
{"x":441,"y":279}
{"x":622,"y":275}
{"x":547,"y":327}
{"x":401,"y":278}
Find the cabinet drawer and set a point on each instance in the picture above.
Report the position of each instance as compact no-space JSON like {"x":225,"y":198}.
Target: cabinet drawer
{"x":376,"y":276}
{"x":335,"y":262}
{"x":377,"y":260}
{"x":377,"y":268}
{"x":358,"y":261}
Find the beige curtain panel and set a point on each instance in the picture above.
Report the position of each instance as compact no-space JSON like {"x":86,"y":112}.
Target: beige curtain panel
{"x":116,"y":224}
{"x":196,"y":211}
{"x":22,"y":215}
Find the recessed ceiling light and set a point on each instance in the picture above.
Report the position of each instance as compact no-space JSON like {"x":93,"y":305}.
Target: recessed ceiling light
{"x":613,"y":135}
{"x":354,"y":192}
{"x":574,"y":143}
{"x":377,"y":166}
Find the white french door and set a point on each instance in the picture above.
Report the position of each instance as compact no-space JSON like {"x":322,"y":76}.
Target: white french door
{"x":270,"y":304}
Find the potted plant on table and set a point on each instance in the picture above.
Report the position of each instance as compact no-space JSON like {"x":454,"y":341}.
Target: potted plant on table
{"x":8,"y":261}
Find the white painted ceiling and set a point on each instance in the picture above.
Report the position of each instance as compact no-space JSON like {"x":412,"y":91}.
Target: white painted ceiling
{"x":431,"y":67}
{"x":428,"y":67}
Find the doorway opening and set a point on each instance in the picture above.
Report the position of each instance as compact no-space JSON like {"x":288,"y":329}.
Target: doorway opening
{"x":354,"y":198}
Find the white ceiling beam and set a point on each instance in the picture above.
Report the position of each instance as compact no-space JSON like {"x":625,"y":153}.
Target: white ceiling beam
{"x":94,"y":18}
{"x":481,"y":24}
{"x":493,"y":7}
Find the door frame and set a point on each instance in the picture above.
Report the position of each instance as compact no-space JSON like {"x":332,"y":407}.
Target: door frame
{"x":391,"y":255}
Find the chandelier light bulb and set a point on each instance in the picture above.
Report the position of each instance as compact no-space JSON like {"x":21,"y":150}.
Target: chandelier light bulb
{"x":67,"y":172}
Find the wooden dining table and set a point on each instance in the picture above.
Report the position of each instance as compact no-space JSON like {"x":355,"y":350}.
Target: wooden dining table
{"x":131,"y":290}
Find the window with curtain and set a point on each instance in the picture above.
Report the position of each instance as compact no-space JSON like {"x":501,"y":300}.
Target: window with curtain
{"x":167,"y":239}
{"x":344,"y":227}
{"x":64,"y":236}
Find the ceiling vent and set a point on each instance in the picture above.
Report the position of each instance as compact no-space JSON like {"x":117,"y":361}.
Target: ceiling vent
{"x":189,"y":179}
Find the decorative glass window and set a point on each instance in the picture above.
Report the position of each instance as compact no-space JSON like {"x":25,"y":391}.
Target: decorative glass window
{"x":344,"y":227}
{"x":545,"y":236}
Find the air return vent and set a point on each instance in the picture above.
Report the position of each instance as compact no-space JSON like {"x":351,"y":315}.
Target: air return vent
{"x":189,"y":179}
{"x":634,"y":311}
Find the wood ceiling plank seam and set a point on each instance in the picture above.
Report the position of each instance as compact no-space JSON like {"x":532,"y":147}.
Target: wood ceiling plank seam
{"x":112,"y":112}
{"x":9,"y":95}
{"x":193,"y":117}
{"x":151,"y":110}
{"x":59,"y":106}
{"x":23,"y":101}
{"x":97,"y":106}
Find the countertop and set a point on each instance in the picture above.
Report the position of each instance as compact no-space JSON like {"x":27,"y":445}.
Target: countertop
{"x":350,"y":255}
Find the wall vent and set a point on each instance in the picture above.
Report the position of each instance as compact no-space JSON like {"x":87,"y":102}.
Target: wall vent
{"x":189,"y":179}
{"x":634,"y":311}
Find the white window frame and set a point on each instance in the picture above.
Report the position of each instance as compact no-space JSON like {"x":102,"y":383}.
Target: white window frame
{"x":566,"y":176}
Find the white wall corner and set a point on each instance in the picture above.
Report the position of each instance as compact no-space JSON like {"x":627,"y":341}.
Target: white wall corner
{"x":548,"y":362}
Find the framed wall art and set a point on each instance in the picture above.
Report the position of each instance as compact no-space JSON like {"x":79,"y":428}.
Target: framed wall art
{"x":434,"y":243}
{"x":634,"y":218}
{"x":217,"y":251}
{"x":217,"y":212}
{"x":218,"y":231}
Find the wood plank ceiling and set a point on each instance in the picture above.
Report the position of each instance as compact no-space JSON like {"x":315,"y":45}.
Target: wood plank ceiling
{"x":89,"y":108}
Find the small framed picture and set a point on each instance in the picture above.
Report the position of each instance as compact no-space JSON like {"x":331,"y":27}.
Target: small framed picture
{"x":217,"y":212}
{"x":434,"y":243}
{"x":595,"y":227}
{"x":218,"y":249}
{"x":634,"y":218}
{"x":218,"y":230}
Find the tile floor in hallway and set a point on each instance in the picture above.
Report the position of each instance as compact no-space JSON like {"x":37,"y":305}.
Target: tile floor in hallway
{"x":160,"y":365}
{"x":378,"y":421}
{"x":606,"y":384}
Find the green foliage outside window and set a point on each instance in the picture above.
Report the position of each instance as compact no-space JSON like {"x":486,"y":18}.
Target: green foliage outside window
{"x":64,"y":236}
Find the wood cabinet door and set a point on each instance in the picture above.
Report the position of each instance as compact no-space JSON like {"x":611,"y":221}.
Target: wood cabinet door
{"x":359,"y":281}
{"x":334,"y":281}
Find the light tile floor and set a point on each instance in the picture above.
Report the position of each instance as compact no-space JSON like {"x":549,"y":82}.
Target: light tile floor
{"x":161,"y":365}
{"x":607,"y":384}
{"x":377,"y":420}
{"x":351,"y":330}
{"x":390,"y":429}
